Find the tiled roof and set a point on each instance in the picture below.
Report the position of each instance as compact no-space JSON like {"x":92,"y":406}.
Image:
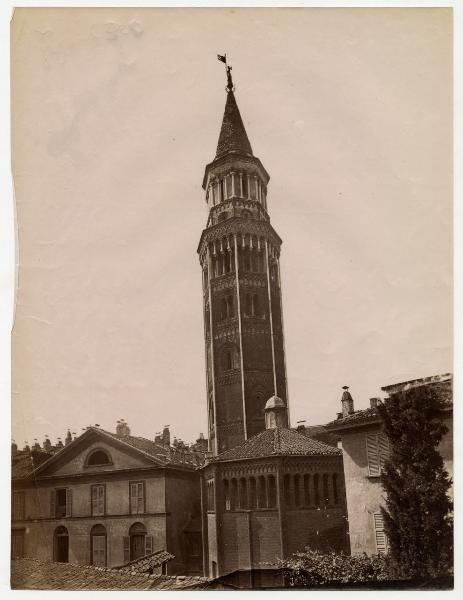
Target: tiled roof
{"x":24,"y":462}
{"x":166,"y":454}
{"x":23,"y":465}
{"x":277,"y":442}
{"x":233,"y":136}
{"x":146,"y":564}
{"x":369,"y":415}
{"x":320,"y":433}
{"x":33,"y":574}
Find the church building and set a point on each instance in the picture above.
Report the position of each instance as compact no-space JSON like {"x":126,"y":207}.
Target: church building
{"x":267,"y":490}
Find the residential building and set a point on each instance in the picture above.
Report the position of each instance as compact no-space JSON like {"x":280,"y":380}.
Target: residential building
{"x":365,"y":449}
{"x":107,"y":499}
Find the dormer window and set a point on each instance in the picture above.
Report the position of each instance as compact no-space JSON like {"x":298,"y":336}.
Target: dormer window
{"x":98,"y":458}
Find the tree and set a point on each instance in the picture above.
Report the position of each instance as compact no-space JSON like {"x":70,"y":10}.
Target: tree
{"x":418,"y":511}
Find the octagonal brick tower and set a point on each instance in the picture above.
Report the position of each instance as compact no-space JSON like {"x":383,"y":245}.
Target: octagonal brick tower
{"x":239,"y":254}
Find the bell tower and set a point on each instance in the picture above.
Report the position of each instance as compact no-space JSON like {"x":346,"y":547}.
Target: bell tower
{"x":239,"y":254}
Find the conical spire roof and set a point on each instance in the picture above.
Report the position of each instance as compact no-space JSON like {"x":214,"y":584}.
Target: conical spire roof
{"x":233,"y":136}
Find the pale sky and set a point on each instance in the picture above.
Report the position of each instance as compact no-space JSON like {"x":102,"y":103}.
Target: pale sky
{"x":116,"y":112}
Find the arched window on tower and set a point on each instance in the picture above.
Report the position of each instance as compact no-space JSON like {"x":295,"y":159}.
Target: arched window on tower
{"x":272,"y":491}
{"x":326,"y":491}
{"x":233,"y":494}
{"x":243,"y":493}
{"x":287,"y":489}
{"x":307,"y":489}
{"x":335,"y":488}
{"x":316,"y":489}
{"x":252,"y":493}
{"x":222,"y":190}
{"x":261,"y":492}
{"x":297,"y":491}
{"x":226,"y":494}
{"x":244,"y":181}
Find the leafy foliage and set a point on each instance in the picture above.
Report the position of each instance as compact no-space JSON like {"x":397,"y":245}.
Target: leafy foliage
{"x":312,"y":568}
{"x":417,"y":515}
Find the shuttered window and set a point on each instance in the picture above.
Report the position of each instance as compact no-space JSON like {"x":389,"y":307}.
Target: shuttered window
{"x":60,"y":503}
{"x":148,"y":544}
{"x":378,"y":449}
{"x":99,"y":550}
{"x":19,"y":505}
{"x":382,"y":545}
{"x":137,"y":497}
{"x":98,"y":500}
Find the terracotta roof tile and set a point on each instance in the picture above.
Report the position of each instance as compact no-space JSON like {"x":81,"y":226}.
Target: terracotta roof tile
{"x":276,"y":442}
{"x":33,"y":574}
{"x":233,"y":136}
{"x":146,"y":564}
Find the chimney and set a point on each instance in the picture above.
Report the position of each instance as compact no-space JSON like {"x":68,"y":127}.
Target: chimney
{"x":36,"y":446}
{"x":46,"y":444}
{"x":59,"y":444}
{"x":122,"y":428}
{"x":14,"y":447}
{"x":68,"y":438}
{"x":166,"y":435}
{"x":374,"y":402}
{"x":347,"y":402}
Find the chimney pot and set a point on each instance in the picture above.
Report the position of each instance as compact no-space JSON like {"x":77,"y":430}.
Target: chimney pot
{"x":374,"y":402}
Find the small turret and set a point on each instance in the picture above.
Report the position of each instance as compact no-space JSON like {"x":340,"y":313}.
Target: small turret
{"x":68,"y":438}
{"x":275,"y":413}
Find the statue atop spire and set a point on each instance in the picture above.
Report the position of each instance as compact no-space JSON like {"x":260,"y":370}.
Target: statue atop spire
{"x":223,"y":58}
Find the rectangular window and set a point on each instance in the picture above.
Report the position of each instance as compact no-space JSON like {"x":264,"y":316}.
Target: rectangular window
{"x":17,"y":543}
{"x":61,"y":503}
{"x":137,"y":497}
{"x":210,"y":496}
{"x":98,"y":500}
{"x":382,"y":545}
{"x":377,"y":445}
{"x":18,"y":506}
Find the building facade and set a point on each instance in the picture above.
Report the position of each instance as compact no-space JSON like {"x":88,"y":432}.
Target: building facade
{"x":108,"y":499}
{"x":239,"y":254}
{"x":268,"y":498}
{"x":365,"y":449}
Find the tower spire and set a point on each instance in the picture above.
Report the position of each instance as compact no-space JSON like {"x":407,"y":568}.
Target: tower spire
{"x":233,"y":136}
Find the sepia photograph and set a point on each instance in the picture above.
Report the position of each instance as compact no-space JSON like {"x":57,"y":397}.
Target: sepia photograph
{"x":232,"y":345}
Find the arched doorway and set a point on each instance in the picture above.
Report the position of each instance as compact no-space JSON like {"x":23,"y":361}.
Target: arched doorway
{"x":61,"y":545}
{"x":98,"y":546}
{"x":137,"y":534}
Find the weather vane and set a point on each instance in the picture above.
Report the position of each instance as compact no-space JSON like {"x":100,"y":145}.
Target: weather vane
{"x":223,"y":58}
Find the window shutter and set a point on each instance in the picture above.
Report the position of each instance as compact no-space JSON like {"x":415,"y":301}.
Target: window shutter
{"x":101,"y":500}
{"x":140,"y":499}
{"x":384,"y":449}
{"x":68,"y":502}
{"x":94,"y":500}
{"x":381,"y":539}
{"x":52,"y":504}
{"x":148,"y":544}
{"x":133,"y":498}
{"x":372,"y":454}
{"x":126,"y":542}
